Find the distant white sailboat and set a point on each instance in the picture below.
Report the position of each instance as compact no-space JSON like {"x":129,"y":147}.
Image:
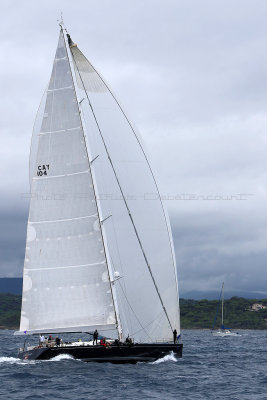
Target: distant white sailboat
{"x":99,"y":254}
{"x":223,"y":331}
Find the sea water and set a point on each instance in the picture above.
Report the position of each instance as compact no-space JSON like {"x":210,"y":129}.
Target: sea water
{"x":232,"y":368}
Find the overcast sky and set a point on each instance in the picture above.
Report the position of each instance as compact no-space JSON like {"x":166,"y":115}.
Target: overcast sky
{"x":192,"y":75}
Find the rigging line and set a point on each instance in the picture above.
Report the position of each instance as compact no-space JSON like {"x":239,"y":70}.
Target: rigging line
{"x":149,"y":323}
{"x":143,"y":328}
{"x":122,"y":309}
{"x":217,"y":311}
{"x":149,"y":166}
{"x":120,"y":266}
{"x":158,"y":323}
{"x":92,"y":179}
{"x":123,"y":196}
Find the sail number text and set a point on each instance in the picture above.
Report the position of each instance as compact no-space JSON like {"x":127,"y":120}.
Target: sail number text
{"x":42,"y":169}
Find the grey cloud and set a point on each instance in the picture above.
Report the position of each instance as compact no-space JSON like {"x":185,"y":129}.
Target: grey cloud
{"x":193,"y":76}
{"x":12,"y":242}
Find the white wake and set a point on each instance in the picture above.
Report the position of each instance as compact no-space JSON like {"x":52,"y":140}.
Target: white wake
{"x":10,"y":360}
{"x":61,"y":357}
{"x":13,"y":360}
{"x":169,"y":357}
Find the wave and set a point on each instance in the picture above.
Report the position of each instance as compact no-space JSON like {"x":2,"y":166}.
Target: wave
{"x":10,"y":360}
{"x":61,"y":357}
{"x":18,"y":361}
{"x":169,"y":357}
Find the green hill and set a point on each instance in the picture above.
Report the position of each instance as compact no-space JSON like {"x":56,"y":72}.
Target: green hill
{"x":194,"y":313}
{"x":237,"y":314}
{"x":9,"y":310}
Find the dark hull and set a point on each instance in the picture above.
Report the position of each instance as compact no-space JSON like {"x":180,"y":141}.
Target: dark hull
{"x":115,"y":354}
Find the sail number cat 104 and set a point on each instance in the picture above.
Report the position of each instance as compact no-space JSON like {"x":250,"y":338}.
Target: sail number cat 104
{"x":99,"y":255}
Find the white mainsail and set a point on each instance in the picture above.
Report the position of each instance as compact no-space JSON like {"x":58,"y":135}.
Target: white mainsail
{"x":70,"y":255}
{"x":66,"y":285}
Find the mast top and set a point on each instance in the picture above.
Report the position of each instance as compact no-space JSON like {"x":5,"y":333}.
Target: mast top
{"x":61,"y":21}
{"x":63,"y":27}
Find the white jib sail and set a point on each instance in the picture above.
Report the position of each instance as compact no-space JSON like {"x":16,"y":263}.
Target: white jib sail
{"x":121,"y":169}
{"x":66,"y":285}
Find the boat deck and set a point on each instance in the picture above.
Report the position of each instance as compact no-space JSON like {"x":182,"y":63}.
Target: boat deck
{"x":116,"y":353}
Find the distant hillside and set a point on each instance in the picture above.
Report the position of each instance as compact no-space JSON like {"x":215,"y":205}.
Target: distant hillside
{"x":237,"y":314}
{"x":214,"y":294}
{"x":194,"y":314}
{"x":9,"y":311}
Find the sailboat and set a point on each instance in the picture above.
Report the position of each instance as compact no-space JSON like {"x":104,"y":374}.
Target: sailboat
{"x":223,"y":331}
{"x":99,"y":250}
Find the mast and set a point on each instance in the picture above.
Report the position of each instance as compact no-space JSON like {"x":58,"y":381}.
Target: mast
{"x":101,"y":217}
{"x":222,"y":302}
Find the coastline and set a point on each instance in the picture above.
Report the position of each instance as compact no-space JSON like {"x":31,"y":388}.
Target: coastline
{"x":240,"y":313}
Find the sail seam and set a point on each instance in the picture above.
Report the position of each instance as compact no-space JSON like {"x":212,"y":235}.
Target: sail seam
{"x":68,"y":329}
{"x":124,"y":198}
{"x":61,"y":130}
{"x":57,"y":89}
{"x":61,"y":176}
{"x":62,"y":220}
{"x":60,"y":58}
{"x":68,"y":266}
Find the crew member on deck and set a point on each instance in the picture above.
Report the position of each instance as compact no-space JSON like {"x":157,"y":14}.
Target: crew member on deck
{"x":41,"y":340}
{"x":57,"y":341}
{"x":174,"y":336}
{"x":128,"y":340}
{"x":95,"y":336}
